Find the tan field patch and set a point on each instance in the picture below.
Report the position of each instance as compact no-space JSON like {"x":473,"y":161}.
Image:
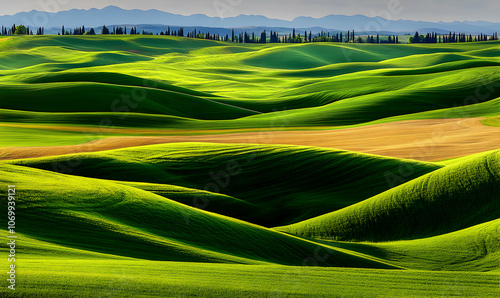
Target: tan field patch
{"x":426,"y":140}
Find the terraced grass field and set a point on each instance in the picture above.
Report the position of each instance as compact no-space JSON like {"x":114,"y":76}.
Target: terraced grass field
{"x":149,"y":166}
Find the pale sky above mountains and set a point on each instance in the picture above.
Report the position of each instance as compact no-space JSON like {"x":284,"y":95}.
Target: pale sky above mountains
{"x":424,"y":10}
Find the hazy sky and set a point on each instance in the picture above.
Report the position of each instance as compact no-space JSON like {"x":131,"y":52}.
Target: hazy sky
{"x":427,"y":10}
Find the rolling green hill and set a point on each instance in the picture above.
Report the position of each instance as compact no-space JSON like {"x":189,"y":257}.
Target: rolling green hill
{"x":247,"y":220}
{"x":104,"y":217}
{"x":458,"y":196}
{"x":471,"y":249}
{"x":180,"y":83}
{"x":278,"y":180}
{"x":202,"y":199}
{"x":54,"y":97}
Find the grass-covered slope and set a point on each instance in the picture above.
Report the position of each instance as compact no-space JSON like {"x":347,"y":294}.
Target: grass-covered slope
{"x":473,"y":249}
{"x":458,"y":196}
{"x":104,"y":78}
{"x":287,"y":183}
{"x":97,"y":97}
{"x":105,"y":217}
{"x":32,"y":248}
{"x":171,"y":82}
{"x":202,"y":199}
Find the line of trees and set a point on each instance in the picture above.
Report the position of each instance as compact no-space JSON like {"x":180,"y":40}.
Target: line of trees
{"x":105,"y":31}
{"x":242,"y":37}
{"x":294,"y":37}
{"x":76,"y":31}
{"x":20,"y":30}
{"x":451,"y":38}
{"x":133,"y":31}
{"x":273,"y":37}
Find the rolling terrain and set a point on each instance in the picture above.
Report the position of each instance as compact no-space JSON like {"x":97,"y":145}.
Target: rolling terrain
{"x":460,"y":195}
{"x":416,"y":139}
{"x":246,"y":170}
{"x":288,"y":176}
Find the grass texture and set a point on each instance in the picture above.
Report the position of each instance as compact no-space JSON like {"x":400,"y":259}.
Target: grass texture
{"x":234,"y":220}
{"x":154,"y":82}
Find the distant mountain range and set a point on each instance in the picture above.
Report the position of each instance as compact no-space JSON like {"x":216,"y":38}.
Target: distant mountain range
{"x":113,"y":15}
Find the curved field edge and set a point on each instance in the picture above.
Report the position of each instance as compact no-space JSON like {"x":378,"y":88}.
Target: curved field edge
{"x":493,"y":121}
{"x":53,"y":129}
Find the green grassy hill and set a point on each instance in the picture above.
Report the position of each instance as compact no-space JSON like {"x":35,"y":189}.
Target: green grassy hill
{"x":55,"y":97}
{"x":153,"y":82}
{"x":245,"y":220}
{"x":471,"y":249}
{"x":277,"y":180}
{"x":202,"y":199}
{"x":105,"y":217}
{"x":458,"y":196}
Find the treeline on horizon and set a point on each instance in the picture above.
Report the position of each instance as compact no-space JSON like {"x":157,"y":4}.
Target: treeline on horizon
{"x":273,"y":37}
{"x":451,"y":38}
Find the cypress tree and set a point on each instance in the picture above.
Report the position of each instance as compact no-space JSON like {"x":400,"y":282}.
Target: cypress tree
{"x":416,"y":38}
{"x":105,"y":30}
{"x":263,"y":37}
